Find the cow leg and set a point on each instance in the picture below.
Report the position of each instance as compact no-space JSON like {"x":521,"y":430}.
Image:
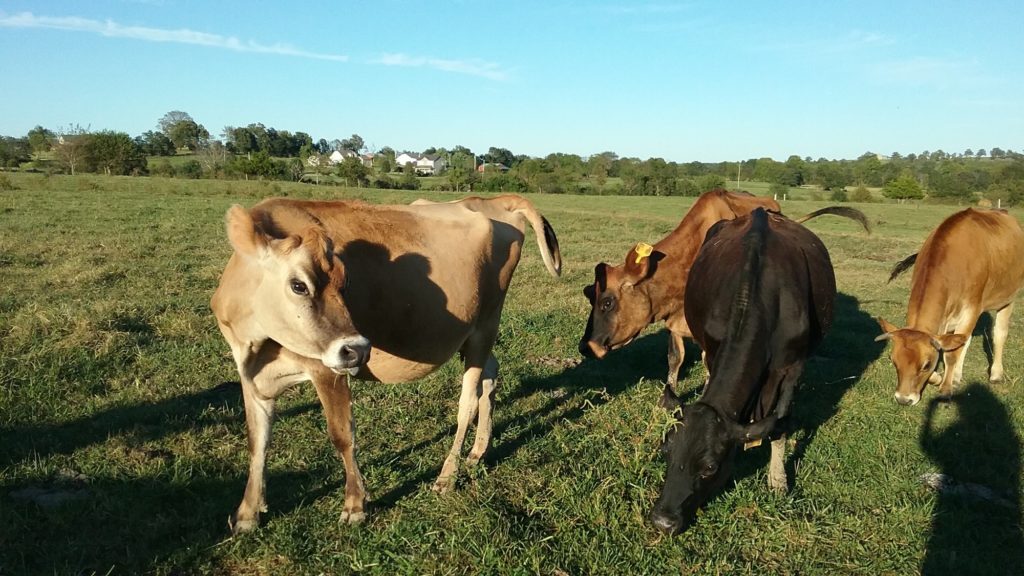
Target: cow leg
{"x":468,"y":401}
{"x":264,"y":375}
{"x":955,"y":365}
{"x":485,"y":411}
{"x":777,"y":467}
{"x":259,"y":416}
{"x":999,"y":333}
{"x":676,"y":355}
{"x":336,"y":397}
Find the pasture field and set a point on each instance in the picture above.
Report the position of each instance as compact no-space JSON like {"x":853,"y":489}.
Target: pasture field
{"x":122,"y":435}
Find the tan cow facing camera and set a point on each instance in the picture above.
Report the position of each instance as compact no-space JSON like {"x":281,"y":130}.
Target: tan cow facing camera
{"x":323,"y":290}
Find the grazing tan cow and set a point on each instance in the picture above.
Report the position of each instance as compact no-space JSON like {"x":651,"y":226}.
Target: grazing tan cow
{"x":649,"y":286}
{"x":311,"y":285}
{"x":973,"y":262}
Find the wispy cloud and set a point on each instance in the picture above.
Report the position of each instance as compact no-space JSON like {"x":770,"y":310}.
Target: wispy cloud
{"x":852,"y":41}
{"x":109,"y":28}
{"x":472,"y":67}
{"x":927,"y":71}
{"x":180,"y":36}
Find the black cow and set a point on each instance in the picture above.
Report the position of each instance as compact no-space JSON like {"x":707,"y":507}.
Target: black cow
{"x":759,"y":300}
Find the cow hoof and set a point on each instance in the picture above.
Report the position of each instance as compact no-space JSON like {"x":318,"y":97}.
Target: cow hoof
{"x":442,"y":485}
{"x":352,"y":517}
{"x":777,"y":484}
{"x":241,"y":526}
{"x":935,"y":379}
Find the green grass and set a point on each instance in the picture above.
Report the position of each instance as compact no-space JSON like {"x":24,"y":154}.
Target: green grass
{"x":118,"y":394}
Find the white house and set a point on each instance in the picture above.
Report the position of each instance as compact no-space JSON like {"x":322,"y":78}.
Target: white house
{"x":430,"y":164}
{"x":406,"y":158}
{"x":339,"y":156}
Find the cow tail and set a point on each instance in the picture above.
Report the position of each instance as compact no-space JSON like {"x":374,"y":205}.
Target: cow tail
{"x":844,"y":211}
{"x":547,"y":241}
{"x":902,"y":267}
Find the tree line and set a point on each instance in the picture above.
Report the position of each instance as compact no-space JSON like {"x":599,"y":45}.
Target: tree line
{"x":258,"y":151}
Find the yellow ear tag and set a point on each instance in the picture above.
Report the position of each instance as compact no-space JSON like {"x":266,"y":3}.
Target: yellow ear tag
{"x":751,"y":444}
{"x":643,"y":250}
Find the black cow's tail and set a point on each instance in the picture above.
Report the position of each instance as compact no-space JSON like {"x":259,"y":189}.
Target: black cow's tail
{"x":902,"y":266}
{"x":844,"y":211}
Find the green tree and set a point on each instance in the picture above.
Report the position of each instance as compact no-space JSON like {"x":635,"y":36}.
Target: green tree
{"x":40,"y":139}
{"x":353,"y":171}
{"x":71,"y":146}
{"x":778,"y":190}
{"x":903,"y":188}
{"x":114,"y":153}
{"x":183,"y":130}
{"x":155,"y":144}
{"x":14,"y":151}
{"x":710,"y":182}
{"x":354,"y":143}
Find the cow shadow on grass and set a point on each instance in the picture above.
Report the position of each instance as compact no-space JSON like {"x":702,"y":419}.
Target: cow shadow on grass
{"x":836,"y":366}
{"x":976,"y":522}
{"x":116,"y":520}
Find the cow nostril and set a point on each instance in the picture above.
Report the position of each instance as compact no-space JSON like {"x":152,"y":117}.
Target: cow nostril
{"x":349,"y":355}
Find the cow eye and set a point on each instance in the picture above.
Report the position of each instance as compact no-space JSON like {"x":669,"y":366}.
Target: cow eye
{"x":299,"y":287}
{"x":607,"y":304}
{"x":708,"y":471}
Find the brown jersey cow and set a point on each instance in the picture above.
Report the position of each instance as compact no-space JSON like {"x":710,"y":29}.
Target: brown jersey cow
{"x":973,"y":262}
{"x":311,"y":286}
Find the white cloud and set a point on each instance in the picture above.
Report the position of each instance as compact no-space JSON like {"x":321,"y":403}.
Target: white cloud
{"x":180,"y":36}
{"x":472,"y":67}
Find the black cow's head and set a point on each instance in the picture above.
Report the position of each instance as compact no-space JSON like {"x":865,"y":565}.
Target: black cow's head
{"x":699,"y":450}
{"x":620,"y":306}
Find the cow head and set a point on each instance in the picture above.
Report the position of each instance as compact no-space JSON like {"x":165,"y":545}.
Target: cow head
{"x":699,"y":450}
{"x":620,"y":305}
{"x":300,"y":294}
{"x":915,"y":355}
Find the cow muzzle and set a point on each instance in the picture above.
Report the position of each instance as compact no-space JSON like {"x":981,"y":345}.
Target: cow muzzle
{"x":907,"y":399}
{"x":347,"y":355}
{"x":590,"y":348}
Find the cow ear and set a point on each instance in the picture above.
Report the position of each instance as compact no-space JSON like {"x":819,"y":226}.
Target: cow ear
{"x":887,"y":329}
{"x":755,"y":431}
{"x":590,"y":292}
{"x":949,"y":342}
{"x":245,"y":237}
{"x":640,"y":262}
{"x":669,"y":399}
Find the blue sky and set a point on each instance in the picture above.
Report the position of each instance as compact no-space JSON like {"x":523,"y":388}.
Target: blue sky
{"x":684,"y":81}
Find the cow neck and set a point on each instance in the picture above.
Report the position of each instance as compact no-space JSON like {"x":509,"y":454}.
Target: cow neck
{"x":926,"y":310}
{"x":736,"y":381}
{"x":683,"y":243}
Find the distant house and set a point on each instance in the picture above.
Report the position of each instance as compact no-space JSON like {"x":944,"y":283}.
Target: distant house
{"x":339,"y":156}
{"x":491,"y":167}
{"x":367,"y":159}
{"x":406,"y":158}
{"x":430,"y":164}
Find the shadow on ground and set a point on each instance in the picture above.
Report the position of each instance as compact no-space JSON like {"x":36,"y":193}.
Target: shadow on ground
{"x":976,"y":522}
{"x":72,"y":523}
